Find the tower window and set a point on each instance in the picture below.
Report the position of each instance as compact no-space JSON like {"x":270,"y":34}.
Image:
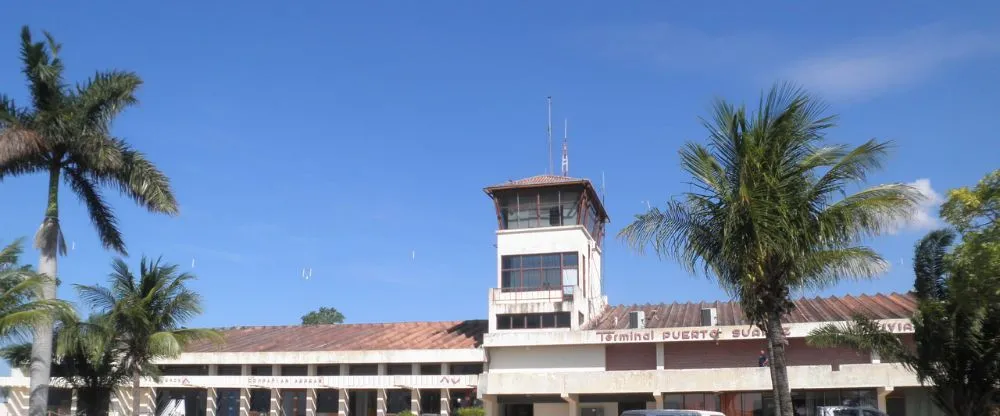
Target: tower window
{"x":532,"y":209}
{"x":539,"y":272}
{"x":533,"y":320}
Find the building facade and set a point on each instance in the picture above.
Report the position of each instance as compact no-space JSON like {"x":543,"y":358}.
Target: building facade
{"x":551,"y":345}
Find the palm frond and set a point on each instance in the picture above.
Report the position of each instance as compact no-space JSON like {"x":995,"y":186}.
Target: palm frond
{"x":17,"y":140}
{"x":929,"y":265}
{"x":863,"y":334}
{"x":107,"y":94}
{"x":102,"y":216}
{"x":825,"y":268}
{"x":44,"y":71}
{"x":853,"y":167}
{"x":139,"y":179}
{"x":867,"y":213}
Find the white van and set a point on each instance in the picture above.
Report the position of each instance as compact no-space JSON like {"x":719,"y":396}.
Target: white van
{"x":670,"y":412}
{"x":848,"y":411}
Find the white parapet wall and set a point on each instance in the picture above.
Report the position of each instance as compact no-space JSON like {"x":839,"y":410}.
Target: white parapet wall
{"x":697,"y":380}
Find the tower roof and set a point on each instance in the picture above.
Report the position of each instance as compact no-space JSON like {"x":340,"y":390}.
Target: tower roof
{"x":544,"y":181}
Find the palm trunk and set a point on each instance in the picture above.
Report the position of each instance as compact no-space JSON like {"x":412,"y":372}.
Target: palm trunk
{"x":779,"y":368}
{"x":47,"y":241}
{"x":136,"y":391}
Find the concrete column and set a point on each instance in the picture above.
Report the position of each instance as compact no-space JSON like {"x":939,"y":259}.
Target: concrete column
{"x":73,"y":402}
{"x":660,"y":359}
{"x":147,"y":404}
{"x":343,"y":399}
{"x":211,"y":395}
{"x":445,"y":402}
{"x":275,"y":409}
{"x":415,"y":369}
{"x":658,"y":398}
{"x":210,"y":399}
{"x":490,"y":405}
{"x":310,"y":402}
{"x":445,"y":369}
{"x":244,"y":402}
{"x":17,"y":401}
{"x":876,"y":359}
{"x":882,"y":392}
{"x":574,"y":403}
{"x":245,"y":392}
{"x":415,"y":401}
{"x":380,"y":402}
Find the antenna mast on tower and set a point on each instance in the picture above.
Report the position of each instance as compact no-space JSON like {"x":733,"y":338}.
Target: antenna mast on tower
{"x":548,"y":102}
{"x":565,"y":148}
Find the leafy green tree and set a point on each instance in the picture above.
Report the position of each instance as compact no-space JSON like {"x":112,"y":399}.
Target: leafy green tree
{"x":84,"y":358}
{"x":767,"y":212}
{"x":957,"y":323}
{"x":65,"y":134}
{"x":146,"y":312}
{"x":20,"y":308}
{"x":323,"y":315}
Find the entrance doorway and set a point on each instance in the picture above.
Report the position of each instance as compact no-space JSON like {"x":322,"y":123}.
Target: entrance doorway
{"x":519,"y":409}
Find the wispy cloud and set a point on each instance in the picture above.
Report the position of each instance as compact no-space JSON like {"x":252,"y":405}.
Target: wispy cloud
{"x":855,"y":68}
{"x":874,"y":65}
{"x":925,"y":216}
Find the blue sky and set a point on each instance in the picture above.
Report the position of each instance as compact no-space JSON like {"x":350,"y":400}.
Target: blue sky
{"x":347,"y":136}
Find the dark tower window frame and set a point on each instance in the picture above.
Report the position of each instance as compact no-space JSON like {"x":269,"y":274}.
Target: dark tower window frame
{"x":538,"y":272}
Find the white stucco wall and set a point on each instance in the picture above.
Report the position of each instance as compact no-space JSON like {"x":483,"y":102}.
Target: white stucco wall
{"x":588,"y":298}
{"x":539,"y":359}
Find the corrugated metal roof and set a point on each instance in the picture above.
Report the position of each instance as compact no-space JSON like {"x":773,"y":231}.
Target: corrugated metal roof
{"x":678,"y":315}
{"x":350,"y":337}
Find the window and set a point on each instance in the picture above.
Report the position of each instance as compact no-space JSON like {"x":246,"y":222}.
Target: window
{"x":538,"y":272}
{"x":430,"y":369}
{"x":399,"y":369}
{"x":533,"y":320}
{"x":533,"y":209}
{"x":327,"y":400}
{"x":229,"y":370}
{"x":466,"y":368}
{"x":363,"y":369}
{"x":397,"y":401}
{"x":328,"y":370}
{"x":294,"y":370}
{"x":260,"y":370}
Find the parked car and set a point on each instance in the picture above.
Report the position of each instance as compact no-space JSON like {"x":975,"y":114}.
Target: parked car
{"x":848,"y":411}
{"x":670,"y":412}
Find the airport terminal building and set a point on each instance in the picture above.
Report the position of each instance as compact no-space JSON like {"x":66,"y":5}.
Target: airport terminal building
{"x":550,"y":346}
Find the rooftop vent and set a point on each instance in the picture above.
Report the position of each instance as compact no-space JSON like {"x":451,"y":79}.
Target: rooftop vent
{"x":636,"y":320}
{"x":709,"y":317}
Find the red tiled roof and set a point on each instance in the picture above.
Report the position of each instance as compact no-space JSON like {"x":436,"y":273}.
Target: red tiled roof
{"x":539,"y":180}
{"x":350,"y":337}
{"x":678,"y":315}
{"x":551,"y":180}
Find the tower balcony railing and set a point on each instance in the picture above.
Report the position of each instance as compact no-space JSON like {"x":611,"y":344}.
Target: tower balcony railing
{"x":537,"y":294}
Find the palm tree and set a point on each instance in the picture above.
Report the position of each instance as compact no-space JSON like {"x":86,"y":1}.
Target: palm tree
{"x":84,"y":358}
{"x":66,"y":134}
{"x":147,"y":313}
{"x":956,"y":329}
{"x":766,"y":215}
{"x":20,"y":307}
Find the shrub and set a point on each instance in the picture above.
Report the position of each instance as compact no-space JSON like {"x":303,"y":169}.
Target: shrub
{"x":406,"y":413}
{"x":471,"y":411}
